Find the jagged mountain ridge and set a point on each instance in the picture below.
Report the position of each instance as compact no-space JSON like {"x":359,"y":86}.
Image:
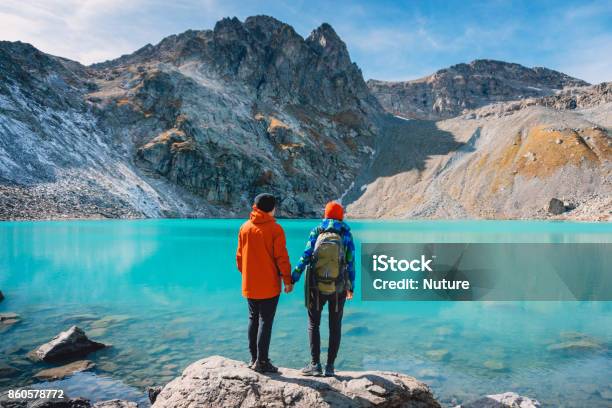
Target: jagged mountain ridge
{"x":450,"y":91}
{"x":198,"y":123}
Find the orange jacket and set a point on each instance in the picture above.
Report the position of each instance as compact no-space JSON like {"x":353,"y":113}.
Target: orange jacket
{"x":262,"y":256}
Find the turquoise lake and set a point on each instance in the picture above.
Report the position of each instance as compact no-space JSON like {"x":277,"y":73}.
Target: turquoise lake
{"x":165,"y":293}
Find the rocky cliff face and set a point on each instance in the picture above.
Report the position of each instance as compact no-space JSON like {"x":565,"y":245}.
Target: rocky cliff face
{"x":195,"y":125}
{"x":450,"y":91}
{"x":505,"y":160}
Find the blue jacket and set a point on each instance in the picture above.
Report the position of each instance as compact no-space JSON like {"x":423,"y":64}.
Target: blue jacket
{"x":344,"y":230}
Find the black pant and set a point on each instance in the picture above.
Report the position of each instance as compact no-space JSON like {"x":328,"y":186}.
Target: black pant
{"x":261,"y":317}
{"x":336,"y":308}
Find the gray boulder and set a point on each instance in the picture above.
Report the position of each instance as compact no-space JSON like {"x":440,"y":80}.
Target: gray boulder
{"x":221,"y":382}
{"x":152,"y":393}
{"x":556,"y":206}
{"x":70,"y":344}
{"x":505,"y":400}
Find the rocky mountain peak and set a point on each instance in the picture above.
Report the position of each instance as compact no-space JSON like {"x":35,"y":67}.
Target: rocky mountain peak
{"x":512,"y":71}
{"x":229,"y":28}
{"x":450,"y":91}
{"x":215,"y":116}
{"x":325,"y":37}
{"x":328,"y":44}
{"x":264,"y":24}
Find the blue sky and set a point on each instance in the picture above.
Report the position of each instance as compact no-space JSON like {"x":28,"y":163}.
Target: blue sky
{"x":390,"y":40}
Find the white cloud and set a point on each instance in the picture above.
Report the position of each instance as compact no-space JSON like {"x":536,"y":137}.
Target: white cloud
{"x":70,"y":29}
{"x":93,"y":30}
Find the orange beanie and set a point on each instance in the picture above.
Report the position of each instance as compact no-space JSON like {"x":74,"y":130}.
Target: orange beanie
{"x":334,"y":210}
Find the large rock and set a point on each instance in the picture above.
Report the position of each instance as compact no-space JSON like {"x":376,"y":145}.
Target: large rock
{"x":220,"y":382}
{"x":70,"y":344}
{"x":57,"y":373}
{"x":556,"y":206}
{"x":505,"y":400}
{"x":153,"y":392}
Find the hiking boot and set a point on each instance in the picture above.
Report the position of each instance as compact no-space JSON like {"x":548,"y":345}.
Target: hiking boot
{"x":312,"y":370}
{"x":329,"y":370}
{"x":265,"y":367}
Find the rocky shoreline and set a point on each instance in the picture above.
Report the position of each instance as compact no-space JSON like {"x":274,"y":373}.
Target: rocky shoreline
{"x":217,"y":381}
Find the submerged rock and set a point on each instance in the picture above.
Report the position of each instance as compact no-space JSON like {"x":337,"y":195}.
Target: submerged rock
{"x":495,"y":365}
{"x":505,"y":400}
{"x":438,"y":355}
{"x":108,"y":321}
{"x":7,"y":371}
{"x":8,"y":319}
{"x":8,"y":316}
{"x":116,"y":403}
{"x":220,"y":382}
{"x":7,"y":402}
{"x":85,"y":317}
{"x":1,"y":296}
{"x":583,"y":344}
{"x":72,"y":343}
{"x":357,"y":331}
{"x":57,"y":373}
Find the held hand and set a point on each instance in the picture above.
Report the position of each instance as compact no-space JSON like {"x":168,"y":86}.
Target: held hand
{"x":295,"y":276}
{"x":349,"y":294}
{"x":288,"y":288}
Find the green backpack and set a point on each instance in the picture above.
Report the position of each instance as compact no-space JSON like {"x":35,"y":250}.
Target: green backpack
{"x":328,"y":267}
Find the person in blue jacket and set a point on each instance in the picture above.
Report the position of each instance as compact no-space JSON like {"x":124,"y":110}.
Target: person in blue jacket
{"x":329,"y":258}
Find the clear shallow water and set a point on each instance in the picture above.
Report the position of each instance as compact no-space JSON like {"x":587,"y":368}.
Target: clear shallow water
{"x":166,"y":292}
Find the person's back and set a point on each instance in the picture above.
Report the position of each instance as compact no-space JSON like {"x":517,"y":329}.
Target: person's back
{"x":330,"y":258}
{"x":262,"y":256}
{"x":262,"y":260}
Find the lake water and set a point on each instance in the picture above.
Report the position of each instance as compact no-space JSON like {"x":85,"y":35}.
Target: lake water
{"x":166,"y":293}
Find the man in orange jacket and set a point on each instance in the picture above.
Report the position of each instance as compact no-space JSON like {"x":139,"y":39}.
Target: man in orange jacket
{"x":262,"y":260}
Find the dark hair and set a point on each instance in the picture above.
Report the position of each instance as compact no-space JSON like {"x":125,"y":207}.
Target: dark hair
{"x":265,"y":202}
